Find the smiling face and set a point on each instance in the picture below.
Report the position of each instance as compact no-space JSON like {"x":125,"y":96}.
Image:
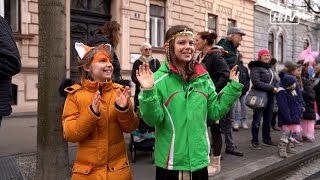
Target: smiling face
{"x":265,"y":58}
{"x":184,"y":48}
{"x":100,"y":68}
{"x":101,"y":71}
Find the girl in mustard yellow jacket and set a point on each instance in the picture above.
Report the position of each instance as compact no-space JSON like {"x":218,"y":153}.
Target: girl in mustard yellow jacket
{"x":95,"y":115}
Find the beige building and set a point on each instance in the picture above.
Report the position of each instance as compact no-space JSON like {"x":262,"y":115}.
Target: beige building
{"x":141,"y":21}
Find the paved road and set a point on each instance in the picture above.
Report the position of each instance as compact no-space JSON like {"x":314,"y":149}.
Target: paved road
{"x":18,"y":136}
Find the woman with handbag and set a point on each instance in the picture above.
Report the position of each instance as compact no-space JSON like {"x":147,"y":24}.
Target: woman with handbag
{"x":262,"y":80}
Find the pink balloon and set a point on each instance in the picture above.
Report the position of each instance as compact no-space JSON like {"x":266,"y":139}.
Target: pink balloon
{"x":308,"y":56}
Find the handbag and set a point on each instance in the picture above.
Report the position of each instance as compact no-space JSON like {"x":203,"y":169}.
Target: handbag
{"x":257,"y":99}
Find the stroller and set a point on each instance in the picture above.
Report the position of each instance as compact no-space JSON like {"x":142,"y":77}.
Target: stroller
{"x":142,"y":139}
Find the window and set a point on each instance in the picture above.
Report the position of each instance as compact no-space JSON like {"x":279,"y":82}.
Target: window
{"x":281,"y":49}
{"x":231,"y":23}
{"x":156,"y":25}
{"x":271,"y":44}
{"x":212,"y":23}
{"x":96,"y":6}
{"x":11,"y":13}
{"x":306,"y":44}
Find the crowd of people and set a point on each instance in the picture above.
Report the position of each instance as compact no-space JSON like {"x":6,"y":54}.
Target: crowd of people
{"x":196,"y":73}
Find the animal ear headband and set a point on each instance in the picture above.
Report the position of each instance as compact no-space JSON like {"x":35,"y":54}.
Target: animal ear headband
{"x":83,"y":49}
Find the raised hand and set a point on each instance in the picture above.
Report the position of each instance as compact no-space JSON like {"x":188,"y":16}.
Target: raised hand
{"x":234,"y":74}
{"x":96,"y":103}
{"x":122,"y":99}
{"x":145,"y":76}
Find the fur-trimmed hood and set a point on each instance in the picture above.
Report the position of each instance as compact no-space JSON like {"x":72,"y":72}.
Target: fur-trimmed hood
{"x":258,"y":63}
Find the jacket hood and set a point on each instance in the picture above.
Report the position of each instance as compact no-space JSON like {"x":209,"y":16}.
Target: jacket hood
{"x":226,"y":43}
{"x":99,"y":39}
{"x":258,"y":63}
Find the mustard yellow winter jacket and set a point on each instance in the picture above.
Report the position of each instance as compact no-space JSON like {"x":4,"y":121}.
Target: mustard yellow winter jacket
{"x":101,"y":147}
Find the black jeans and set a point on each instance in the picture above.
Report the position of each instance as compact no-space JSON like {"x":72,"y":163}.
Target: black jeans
{"x":266,"y":114}
{"x":164,"y":174}
{"x":216,"y":139}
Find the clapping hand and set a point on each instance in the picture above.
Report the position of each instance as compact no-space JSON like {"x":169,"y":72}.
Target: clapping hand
{"x":122,"y":99}
{"x":234,"y":74}
{"x":145,"y":76}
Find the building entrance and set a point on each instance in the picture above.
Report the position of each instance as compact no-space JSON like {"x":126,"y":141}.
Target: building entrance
{"x":86,"y":17}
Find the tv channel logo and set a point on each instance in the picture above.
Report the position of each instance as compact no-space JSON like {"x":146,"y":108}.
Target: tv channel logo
{"x":284,"y":17}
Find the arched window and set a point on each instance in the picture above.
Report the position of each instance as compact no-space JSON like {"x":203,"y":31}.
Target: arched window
{"x":271,"y":43}
{"x":306,"y":44}
{"x":280,"y":49}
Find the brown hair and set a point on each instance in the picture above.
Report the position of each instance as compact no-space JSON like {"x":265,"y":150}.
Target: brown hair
{"x":110,"y":30}
{"x":290,"y":68}
{"x":86,"y":61}
{"x":210,"y":37}
{"x":305,"y":68}
{"x":188,"y":71}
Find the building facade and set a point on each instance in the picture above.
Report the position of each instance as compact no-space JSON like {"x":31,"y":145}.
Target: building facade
{"x":284,"y":38}
{"x":141,"y":21}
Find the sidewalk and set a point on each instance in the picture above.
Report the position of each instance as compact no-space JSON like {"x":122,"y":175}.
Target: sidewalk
{"x":256,"y":164}
{"x":259,"y":164}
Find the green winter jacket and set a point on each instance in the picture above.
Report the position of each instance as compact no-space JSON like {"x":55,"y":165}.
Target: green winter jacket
{"x":178,"y":110}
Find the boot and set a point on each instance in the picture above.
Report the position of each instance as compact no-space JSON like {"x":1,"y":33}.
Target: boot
{"x":283,"y":149}
{"x":291,"y":149}
{"x":214,"y":167}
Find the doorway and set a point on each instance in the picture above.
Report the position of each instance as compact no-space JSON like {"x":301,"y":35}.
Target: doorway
{"x":86,"y":17}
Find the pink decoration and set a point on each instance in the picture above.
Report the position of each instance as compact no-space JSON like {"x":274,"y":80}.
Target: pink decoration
{"x":308,"y":56}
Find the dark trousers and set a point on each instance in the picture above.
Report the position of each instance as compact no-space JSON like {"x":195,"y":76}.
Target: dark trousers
{"x":164,"y":174}
{"x":216,"y":138}
{"x":274,"y":121}
{"x":0,"y":120}
{"x":267,"y":116}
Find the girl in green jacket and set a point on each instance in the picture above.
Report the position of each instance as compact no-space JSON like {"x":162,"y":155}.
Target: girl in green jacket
{"x":177,"y":100}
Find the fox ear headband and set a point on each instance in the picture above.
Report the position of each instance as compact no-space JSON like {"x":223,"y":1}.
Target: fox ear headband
{"x":83,"y":49}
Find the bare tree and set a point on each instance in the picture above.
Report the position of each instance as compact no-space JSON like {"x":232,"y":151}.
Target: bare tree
{"x":312,"y":6}
{"x":52,"y":150}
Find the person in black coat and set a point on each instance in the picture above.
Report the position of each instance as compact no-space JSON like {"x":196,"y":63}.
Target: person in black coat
{"x":10,"y":64}
{"x":309,"y":97}
{"x":316,"y":85}
{"x":109,"y":33}
{"x":262,"y":79}
{"x":146,"y":57}
{"x":212,"y":59}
